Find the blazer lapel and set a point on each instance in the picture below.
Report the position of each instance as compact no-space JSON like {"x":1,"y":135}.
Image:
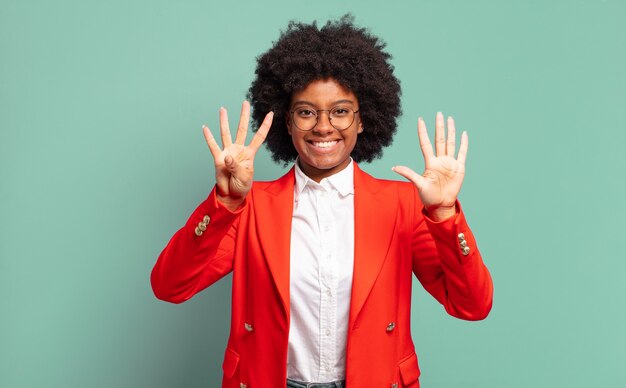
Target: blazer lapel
{"x":274,"y":230}
{"x":375,"y":211}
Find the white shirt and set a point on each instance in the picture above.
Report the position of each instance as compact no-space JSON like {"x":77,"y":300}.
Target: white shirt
{"x":322,"y":258}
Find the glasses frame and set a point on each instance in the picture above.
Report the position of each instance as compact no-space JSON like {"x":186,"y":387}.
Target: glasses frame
{"x":330,"y":120}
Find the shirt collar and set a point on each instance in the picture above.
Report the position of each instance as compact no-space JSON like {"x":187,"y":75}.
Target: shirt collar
{"x":342,"y":181}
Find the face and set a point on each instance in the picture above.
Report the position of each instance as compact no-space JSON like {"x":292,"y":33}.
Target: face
{"x":324,"y":150}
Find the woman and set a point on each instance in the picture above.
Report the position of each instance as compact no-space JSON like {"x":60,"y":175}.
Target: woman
{"x":322,"y":258}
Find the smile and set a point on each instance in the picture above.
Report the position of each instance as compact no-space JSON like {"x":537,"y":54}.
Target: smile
{"x":324,"y":144}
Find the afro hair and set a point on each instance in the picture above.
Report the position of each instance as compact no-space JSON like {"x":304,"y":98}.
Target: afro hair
{"x":341,"y":51}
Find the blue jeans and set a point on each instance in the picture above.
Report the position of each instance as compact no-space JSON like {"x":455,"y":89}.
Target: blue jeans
{"x":300,"y":384}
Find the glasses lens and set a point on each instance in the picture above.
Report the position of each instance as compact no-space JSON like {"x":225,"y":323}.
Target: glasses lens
{"x":341,"y":117}
{"x":305,"y":118}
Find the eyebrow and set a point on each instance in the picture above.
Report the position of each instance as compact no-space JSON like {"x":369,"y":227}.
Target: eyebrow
{"x":304,"y":102}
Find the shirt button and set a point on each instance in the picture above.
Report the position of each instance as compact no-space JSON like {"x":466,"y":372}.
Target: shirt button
{"x":327,"y":332}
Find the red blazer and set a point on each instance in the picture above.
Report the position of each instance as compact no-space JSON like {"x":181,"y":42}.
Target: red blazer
{"x":393,"y":240}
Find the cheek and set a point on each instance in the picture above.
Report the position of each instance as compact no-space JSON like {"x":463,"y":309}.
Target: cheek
{"x":298,"y":141}
{"x":355,"y":138}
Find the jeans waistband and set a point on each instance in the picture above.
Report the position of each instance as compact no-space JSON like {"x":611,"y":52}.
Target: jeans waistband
{"x":301,"y":384}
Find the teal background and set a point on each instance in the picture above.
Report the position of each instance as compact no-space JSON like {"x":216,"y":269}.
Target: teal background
{"x":102,"y":159}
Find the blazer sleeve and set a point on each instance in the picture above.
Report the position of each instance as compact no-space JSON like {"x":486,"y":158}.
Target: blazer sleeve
{"x":449,"y":266}
{"x":191,"y":262}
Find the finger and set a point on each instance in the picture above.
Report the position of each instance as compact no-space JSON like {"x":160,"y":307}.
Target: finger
{"x":450,"y":143}
{"x":211,"y":142}
{"x":261,"y":134}
{"x":463,"y":148}
{"x":425,"y":145}
{"x":224,"y":129}
{"x":440,"y":135}
{"x":244,"y":119}
{"x":409,"y":174}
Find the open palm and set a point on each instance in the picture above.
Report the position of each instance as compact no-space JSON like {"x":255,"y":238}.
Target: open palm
{"x":234,"y":163}
{"x":440,"y":183}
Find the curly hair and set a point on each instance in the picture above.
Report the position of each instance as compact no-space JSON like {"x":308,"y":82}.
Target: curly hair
{"x":339,"y":50}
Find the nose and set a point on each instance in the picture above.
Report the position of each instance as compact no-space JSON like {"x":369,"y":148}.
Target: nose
{"x":323,"y":124}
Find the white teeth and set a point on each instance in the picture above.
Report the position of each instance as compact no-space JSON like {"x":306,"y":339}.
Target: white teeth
{"x":324,"y":144}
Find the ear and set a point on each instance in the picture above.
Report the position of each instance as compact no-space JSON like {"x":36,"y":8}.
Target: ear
{"x":360,"y":129}
{"x":288,"y":122}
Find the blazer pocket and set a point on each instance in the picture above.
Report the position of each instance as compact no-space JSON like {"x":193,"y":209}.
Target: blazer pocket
{"x":231,"y":360}
{"x":409,"y":371}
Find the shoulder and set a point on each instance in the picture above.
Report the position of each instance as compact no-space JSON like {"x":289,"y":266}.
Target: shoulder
{"x":279,"y":186}
{"x":362,"y":178}
{"x":402,"y":193}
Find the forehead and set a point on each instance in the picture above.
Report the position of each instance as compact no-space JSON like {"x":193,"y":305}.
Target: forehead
{"x":323,"y":92}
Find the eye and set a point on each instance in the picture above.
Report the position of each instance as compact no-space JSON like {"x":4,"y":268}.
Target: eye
{"x":305,"y":112}
{"x":340,"y":111}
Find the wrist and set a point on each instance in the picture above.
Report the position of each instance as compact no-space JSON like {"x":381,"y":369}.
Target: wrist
{"x":230,"y":203}
{"x":441,"y":213}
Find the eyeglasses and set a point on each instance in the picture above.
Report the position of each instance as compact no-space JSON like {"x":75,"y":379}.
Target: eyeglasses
{"x":306,"y":118}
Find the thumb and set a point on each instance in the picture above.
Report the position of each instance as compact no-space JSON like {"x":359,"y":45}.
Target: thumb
{"x":409,"y":174}
{"x":231,"y":164}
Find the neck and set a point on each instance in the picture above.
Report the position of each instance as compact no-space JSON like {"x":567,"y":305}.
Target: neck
{"x":317,"y":174}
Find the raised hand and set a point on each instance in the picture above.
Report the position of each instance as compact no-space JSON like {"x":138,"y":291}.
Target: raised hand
{"x":234,"y":164}
{"x":441,"y":181}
